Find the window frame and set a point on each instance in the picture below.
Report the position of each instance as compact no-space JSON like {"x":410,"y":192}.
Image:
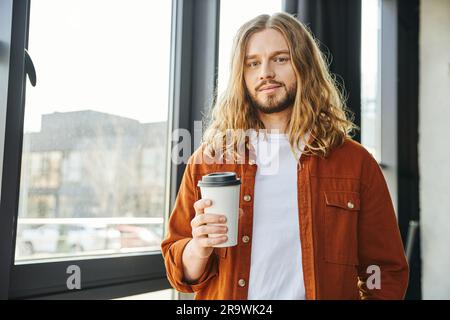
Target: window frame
{"x":193,"y":42}
{"x":388,"y":75}
{"x":6,"y":98}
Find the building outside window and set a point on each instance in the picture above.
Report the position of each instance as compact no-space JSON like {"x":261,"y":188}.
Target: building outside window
{"x":95,"y":130}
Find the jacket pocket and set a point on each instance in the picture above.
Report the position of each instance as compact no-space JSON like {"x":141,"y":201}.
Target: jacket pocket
{"x":341,"y":227}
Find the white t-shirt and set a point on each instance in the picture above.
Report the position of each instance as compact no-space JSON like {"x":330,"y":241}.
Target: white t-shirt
{"x":276,"y":271}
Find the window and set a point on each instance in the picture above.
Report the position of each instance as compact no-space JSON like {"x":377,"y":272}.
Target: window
{"x":230,"y":21}
{"x":168,"y":294}
{"x":370,"y":77}
{"x":80,"y":146}
{"x":94,"y":152}
{"x":72,"y":167}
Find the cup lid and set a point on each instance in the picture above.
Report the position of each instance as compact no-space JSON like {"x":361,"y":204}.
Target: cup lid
{"x":219,"y":179}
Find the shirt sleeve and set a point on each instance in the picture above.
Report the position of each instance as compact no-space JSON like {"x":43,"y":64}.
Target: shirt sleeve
{"x":380,"y":247}
{"x":180,"y":233}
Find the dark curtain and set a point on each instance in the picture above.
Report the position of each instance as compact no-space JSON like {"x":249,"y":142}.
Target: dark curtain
{"x":408,"y":135}
{"x":337,"y":26}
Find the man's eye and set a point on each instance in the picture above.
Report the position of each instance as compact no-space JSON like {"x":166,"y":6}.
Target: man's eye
{"x":253,"y":64}
{"x":281,"y":59}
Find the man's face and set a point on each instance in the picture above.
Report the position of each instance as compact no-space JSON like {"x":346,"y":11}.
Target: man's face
{"x":268,"y":72}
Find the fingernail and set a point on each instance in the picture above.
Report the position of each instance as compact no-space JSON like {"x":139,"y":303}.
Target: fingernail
{"x":223,"y":219}
{"x":208,"y":202}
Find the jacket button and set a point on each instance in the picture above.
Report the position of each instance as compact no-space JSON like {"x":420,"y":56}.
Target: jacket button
{"x":245,"y":239}
{"x":350,"y":205}
{"x":247,"y":198}
{"x":241,"y":283}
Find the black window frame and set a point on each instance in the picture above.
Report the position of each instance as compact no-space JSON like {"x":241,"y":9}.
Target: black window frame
{"x":194,"y":56}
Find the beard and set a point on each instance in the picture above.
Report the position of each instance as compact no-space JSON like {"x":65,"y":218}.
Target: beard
{"x":273,"y":103}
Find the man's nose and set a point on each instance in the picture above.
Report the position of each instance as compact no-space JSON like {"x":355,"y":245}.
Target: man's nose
{"x":266,"y":71}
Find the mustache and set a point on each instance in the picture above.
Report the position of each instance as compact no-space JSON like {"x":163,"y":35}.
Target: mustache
{"x":268,"y":83}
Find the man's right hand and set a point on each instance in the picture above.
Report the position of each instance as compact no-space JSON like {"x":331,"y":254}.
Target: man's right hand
{"x":202,"y":243}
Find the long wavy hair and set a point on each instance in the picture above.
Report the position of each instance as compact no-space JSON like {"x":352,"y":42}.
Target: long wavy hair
{"x":319,"y":120}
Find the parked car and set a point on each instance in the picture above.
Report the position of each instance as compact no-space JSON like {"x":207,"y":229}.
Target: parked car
{"x":64,"y":238}
{"x":137,"y":236}
{"x":43,"y":238}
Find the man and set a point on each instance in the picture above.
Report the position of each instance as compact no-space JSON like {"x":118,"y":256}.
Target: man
{"x":319,"y":226}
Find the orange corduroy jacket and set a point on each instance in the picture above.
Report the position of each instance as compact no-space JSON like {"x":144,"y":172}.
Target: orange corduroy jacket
{"x":347,"y":226}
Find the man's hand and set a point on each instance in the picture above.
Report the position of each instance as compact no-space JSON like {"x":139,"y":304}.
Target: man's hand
{"x":202,"y":243}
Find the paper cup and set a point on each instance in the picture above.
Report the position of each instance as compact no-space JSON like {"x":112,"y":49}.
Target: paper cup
{"x":223,"y":189}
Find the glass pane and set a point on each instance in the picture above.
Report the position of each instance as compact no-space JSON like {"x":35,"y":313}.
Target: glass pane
{"x":94,"y":149}
{"x":167,"y":294}
{"x":230,"y":21}
{"x":370,"y":75}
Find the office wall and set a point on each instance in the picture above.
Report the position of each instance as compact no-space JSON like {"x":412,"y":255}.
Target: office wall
{"x":434,"y":147}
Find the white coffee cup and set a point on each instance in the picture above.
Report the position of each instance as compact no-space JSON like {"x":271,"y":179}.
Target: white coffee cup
{"x":223,"y":189}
